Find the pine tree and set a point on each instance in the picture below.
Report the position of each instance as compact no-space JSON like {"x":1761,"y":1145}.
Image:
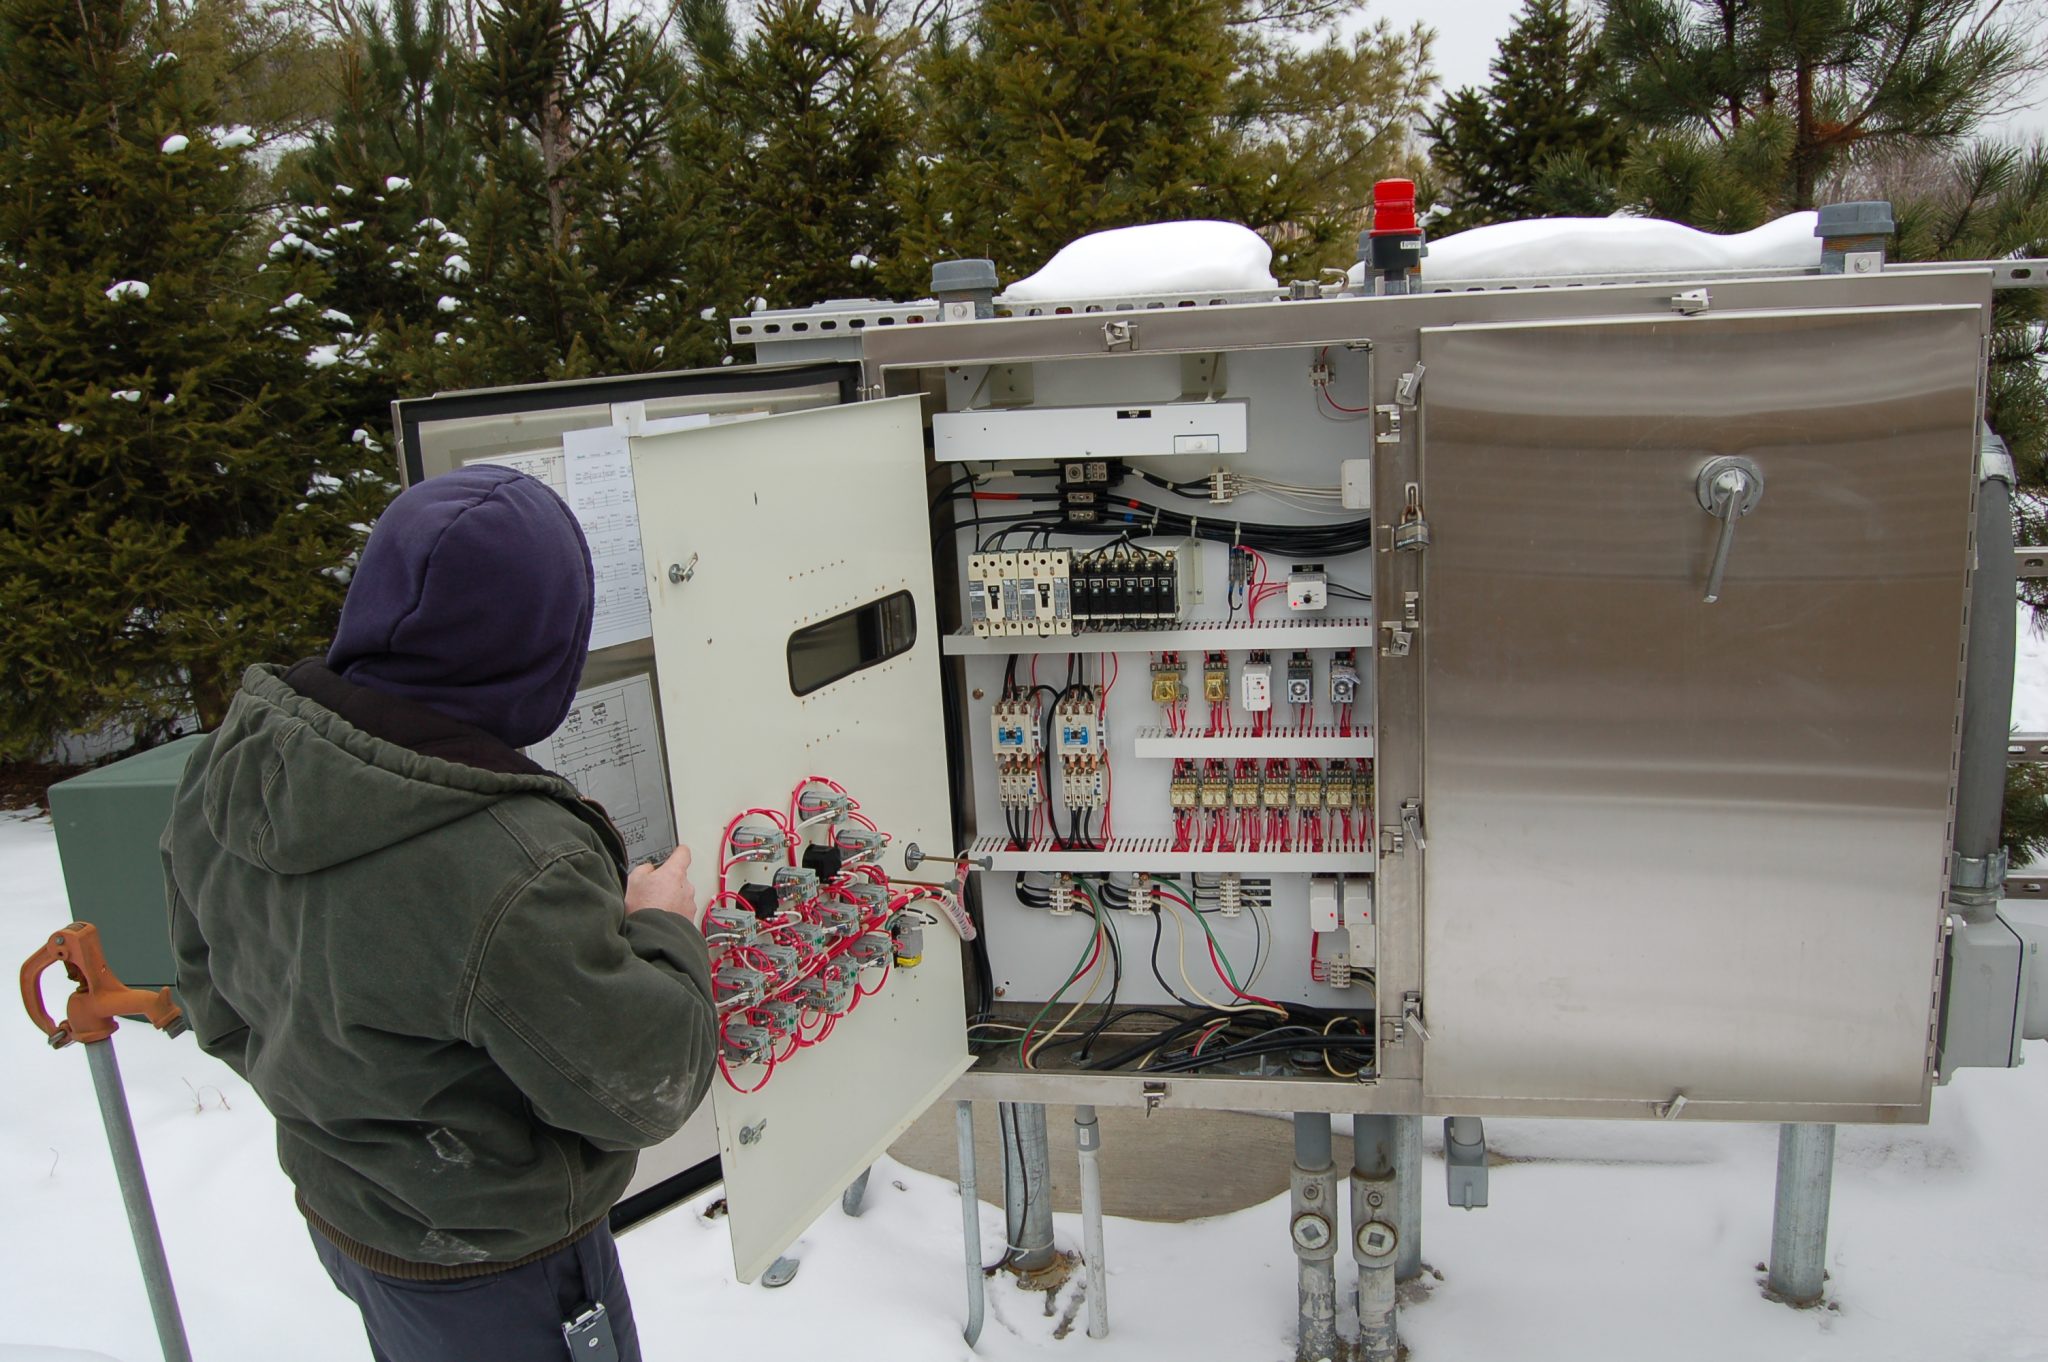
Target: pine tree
{"x":1991,"y":202}
{"x":1763,"y":101}
{"x":1039,"y":122}
{"x":579,"y":218}
{"x":368,"y":203}
{"x":175,"y":500}
{"x":1497,"y":148}
{"x":809,"y":120}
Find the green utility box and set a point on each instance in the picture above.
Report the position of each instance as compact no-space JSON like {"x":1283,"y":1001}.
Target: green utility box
{"x":108,"y":823}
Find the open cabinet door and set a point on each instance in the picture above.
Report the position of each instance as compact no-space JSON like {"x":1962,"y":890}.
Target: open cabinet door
{"x":756,"y":533}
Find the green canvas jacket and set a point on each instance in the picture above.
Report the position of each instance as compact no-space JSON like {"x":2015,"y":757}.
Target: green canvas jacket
{"x":417,"y":953}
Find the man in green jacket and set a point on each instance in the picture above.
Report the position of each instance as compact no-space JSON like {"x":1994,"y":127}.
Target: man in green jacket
{"x":426,"y":953}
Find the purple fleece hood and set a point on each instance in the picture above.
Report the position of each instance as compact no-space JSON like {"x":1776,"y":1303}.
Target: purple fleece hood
{"x":474,"y":597}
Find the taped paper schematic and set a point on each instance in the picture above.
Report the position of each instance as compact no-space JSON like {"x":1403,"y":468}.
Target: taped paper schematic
{"x":599,"y":471}
{"x":544,"y":464}
{"x":610,"y":750}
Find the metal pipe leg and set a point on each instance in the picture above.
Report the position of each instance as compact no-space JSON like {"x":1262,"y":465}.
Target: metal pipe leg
{"x":1027,"y":1187}
{"x":1088,"y":1139}
{"x":856,"y":1191}
{"x":1799,"y":1223}
{"x":970,"y":1220}
{"x":1375,"y":1240}
{"x":1313,"y":1227}
{"x":149,"y":1246}
{"x":1408,"y":1197}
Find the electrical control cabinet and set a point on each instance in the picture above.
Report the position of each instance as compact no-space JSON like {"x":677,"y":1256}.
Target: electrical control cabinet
{"x":1430,"y":749}
{"x":1537,"y":788}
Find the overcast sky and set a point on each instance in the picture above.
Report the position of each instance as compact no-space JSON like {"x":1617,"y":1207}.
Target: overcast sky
{"x":1467,"y":30}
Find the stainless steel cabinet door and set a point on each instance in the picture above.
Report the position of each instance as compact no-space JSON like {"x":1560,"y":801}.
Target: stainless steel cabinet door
{"x":1681,"y":848}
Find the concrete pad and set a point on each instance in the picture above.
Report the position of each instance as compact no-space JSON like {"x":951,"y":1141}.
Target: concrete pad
{"x":1169,"y":1166}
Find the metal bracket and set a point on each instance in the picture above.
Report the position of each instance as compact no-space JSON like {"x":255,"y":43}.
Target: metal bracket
{"x":2030,"y":563}
{"x":1409,"y":389}
{"x":1692,"y":302}
{"x":1399,"y":640}
{"x":1411,"y":823}
{"x":1154,"y":1093}
{"x":1119,"y":335}
{"x":1411,"y":1012}
{"x":1391,"y":435}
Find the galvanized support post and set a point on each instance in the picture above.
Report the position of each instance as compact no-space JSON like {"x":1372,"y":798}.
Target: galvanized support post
{"x":1374,"y":1238}
{"x":1799,"y":1222}
{"x":1088,"y":1141}
{"x":1408,"y":1193}
{"x":970,"y":1220}
{"x":149,"y":1245}
{"x":1313,"y":1226}
{"x":1027,"y":1187}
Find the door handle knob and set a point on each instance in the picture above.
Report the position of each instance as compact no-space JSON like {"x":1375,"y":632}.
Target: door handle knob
{"x":1729,"y":488}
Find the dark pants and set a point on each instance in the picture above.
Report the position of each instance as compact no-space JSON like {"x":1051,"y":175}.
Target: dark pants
{"x":510,"y":1316}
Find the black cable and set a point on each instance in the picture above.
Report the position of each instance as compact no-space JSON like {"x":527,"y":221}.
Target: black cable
{"x":1158,"y":934}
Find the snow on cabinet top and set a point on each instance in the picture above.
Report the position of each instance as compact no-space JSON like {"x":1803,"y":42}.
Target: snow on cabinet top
{"x":1160,"y":257}
{"x":1560,"y":246}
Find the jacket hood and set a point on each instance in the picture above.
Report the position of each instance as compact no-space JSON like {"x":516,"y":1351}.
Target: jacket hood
{"x":474,"y":597}
{"x":293,"y":787}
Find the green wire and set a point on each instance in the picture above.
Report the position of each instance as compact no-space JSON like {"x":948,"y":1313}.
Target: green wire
{"x":1087,"y":949}
{"x":1188,"y":902}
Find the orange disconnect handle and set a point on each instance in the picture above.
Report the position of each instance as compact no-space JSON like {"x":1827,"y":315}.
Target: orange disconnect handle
{"x":99,"y":998}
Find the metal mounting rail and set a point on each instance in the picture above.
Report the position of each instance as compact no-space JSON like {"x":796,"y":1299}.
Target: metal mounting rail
{"x":1155,"y":855}
{"x":1242,"y":742}
{"x":831,"y":320}
{"x":1192,"y":636}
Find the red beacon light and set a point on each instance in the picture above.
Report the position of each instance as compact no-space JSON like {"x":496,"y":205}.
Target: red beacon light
{"x":1392,"y":248}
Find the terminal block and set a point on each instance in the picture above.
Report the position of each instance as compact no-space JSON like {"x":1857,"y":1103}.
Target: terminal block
{"x":1255,"y":683}
{"x":1213,"y":791}
{"x":1185,"y":792}
{"x":1081,"y":782}
{"x":1276,"y":792}
{"x":1141,"y":900}
{"x":1169,"y":679}
{"x":1018,"y":783}
{"x":1344,"y":677}
{"x":1337,"y":971}
{"x":1060,"y":898}
{"x":1301,"y":679}
{"x":1361,"y":785}
{"x":1308,"y":785}
{"x":1216,"y":678}
{"x":1230,"y":893}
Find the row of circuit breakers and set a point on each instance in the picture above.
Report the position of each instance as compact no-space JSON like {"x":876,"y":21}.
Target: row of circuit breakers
{"x":1046,"y":592}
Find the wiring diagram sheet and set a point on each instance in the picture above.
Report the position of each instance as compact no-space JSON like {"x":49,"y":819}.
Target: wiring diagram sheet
{"x":610,"y":749}
{"x":598,"y":479}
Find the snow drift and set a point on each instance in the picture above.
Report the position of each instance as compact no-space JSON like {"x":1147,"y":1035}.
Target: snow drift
{"x":1160,"y":257}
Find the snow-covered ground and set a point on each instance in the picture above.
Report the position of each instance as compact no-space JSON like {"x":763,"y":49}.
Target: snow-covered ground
{"x":1603,"y":1241}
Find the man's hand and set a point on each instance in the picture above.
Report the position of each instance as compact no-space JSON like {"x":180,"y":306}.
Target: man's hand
{"x":664,"y":888}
